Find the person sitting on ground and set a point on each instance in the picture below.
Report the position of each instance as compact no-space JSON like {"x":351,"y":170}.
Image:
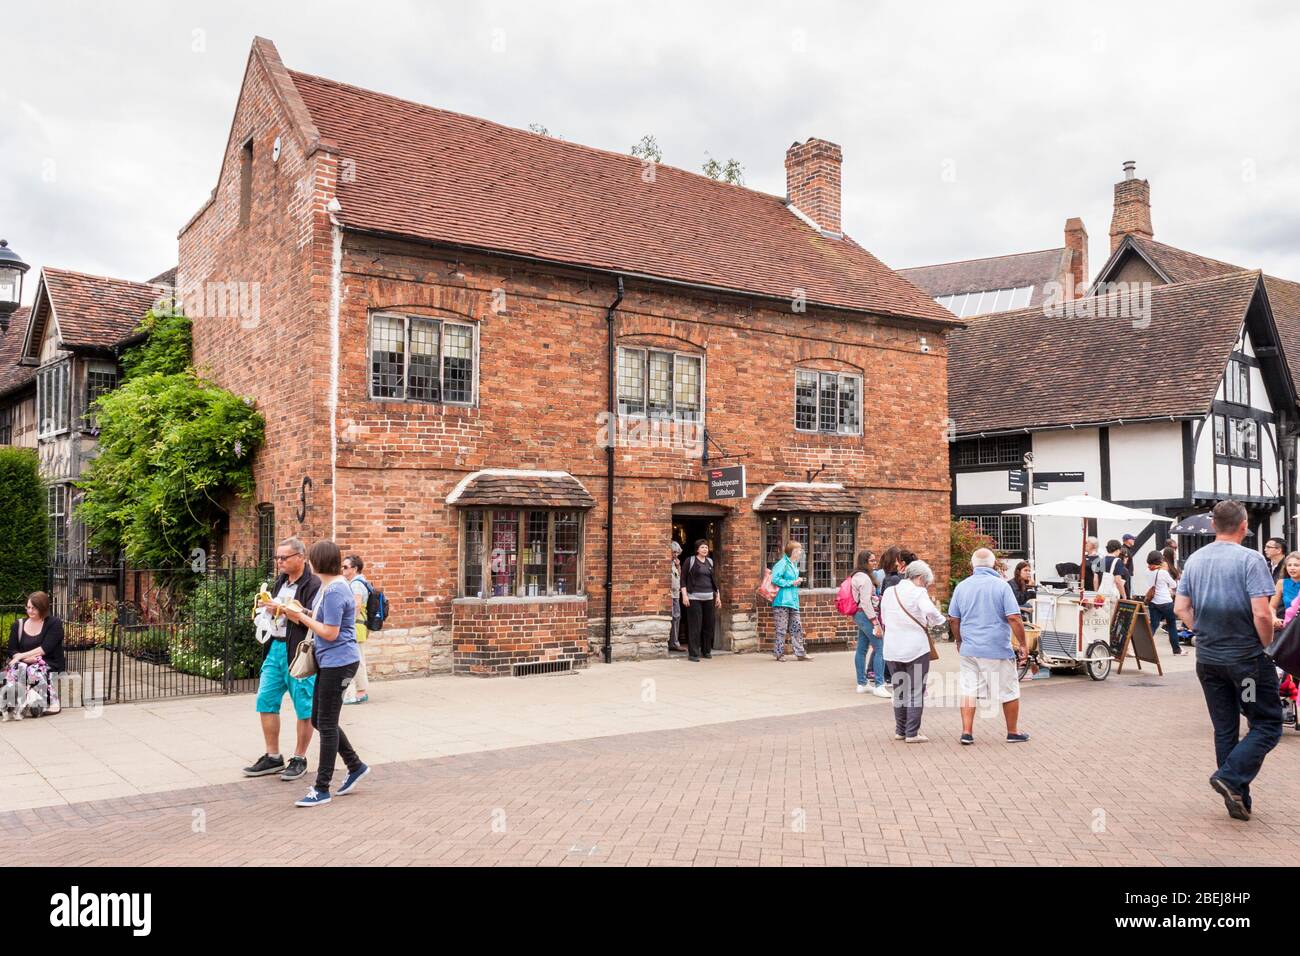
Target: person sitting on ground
{"x":1160,"y":599}
{"x":35,"y":661}
{"x":907,"y":613}
{"x":984,"y":618}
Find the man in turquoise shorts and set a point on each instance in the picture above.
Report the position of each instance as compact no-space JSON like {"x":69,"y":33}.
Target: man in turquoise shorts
{"x":295,"y":580}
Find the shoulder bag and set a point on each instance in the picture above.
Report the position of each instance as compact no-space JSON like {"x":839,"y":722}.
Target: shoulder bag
{"x":934,"y":651}
{"x":303,"y":664}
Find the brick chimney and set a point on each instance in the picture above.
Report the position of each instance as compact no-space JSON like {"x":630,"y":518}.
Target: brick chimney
{"x":1132,"y":214}
{"x":1076,"y":240}
{"x":812,"y":182}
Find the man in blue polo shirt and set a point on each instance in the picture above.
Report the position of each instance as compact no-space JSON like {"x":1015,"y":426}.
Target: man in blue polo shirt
{"x":983,"y":615}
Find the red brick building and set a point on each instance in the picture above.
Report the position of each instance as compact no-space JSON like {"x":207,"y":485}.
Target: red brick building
{"x":436,"y":313}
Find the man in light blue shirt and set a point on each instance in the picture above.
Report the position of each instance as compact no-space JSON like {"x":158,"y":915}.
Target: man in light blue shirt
{"x":983,"y":615}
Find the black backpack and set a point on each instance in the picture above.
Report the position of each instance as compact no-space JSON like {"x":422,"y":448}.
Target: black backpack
{"x":376,"y":608}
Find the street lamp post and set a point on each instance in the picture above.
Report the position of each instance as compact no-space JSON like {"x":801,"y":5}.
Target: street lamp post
{"x":12,"y":269}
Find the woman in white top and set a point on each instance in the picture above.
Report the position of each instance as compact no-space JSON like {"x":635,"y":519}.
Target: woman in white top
{"x":907,"y":612}
{"x":1160,"y":599}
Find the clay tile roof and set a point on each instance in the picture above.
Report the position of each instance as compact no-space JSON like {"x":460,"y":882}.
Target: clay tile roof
{"x":1283,"y":295}
{"x":1284,"y":299}
{"x":523,"y":489}
{"x":12,"y":375}
{"x":998,"y":272}
{"x":1181,"y":265}
{"x":97,"y":311}
{"x":167,"y":278}
{"x":449,"y":178}
{"x":1064,"y":363}
{"x":803,"y":496}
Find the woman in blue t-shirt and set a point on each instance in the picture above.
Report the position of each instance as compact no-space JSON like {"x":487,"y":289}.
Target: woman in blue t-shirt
{"x":332,"y":622}
{"x":1288,"y":586}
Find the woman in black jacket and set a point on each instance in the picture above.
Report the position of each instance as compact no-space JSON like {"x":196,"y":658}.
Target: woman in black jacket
{"x":35,"y":655}
{"x":1024,"y":585}
{"x":700,"y":599}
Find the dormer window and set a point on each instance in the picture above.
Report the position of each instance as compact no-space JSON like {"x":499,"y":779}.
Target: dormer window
{"x":53,"y":394}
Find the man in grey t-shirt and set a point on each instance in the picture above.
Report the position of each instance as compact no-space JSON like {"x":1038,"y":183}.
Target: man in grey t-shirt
{"x":1223,"y":598}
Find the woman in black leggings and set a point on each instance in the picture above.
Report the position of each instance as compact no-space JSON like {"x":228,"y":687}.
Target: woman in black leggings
{"x":700,"y":598}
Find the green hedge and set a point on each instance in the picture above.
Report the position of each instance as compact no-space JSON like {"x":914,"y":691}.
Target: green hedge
{"x":24,"y":541}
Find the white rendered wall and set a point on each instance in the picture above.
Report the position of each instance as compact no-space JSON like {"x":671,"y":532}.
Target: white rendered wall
{"x":985,"y":488}
{"x":1146,"y":461}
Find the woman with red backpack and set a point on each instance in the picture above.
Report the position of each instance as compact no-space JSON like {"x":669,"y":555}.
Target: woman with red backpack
{"x":870,"y":637}
{"x":785,"y":606}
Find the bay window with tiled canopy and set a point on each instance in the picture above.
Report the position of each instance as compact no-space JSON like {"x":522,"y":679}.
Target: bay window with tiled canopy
{"x":822,"y":518}
{"x":521,"y":534}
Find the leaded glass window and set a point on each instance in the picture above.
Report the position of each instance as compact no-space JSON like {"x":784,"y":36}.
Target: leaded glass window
{"x":827,"y":402}
{"x":531,"y":553}
{"x":421,"y":360}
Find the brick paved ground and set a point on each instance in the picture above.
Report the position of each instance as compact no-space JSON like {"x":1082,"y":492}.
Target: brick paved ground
{"x":1124,"y":757}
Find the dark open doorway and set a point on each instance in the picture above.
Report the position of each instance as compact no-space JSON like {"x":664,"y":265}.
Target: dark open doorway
{"x":689,"y":529}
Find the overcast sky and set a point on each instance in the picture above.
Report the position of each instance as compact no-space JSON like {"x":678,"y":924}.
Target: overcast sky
{"x":969,"y":128}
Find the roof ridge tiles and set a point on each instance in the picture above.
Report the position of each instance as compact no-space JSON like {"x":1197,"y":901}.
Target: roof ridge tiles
{"x":961,"y":262}
{"x":545,"y":137}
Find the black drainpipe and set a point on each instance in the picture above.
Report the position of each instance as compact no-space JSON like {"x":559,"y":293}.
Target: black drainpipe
{"x":611,"y":434}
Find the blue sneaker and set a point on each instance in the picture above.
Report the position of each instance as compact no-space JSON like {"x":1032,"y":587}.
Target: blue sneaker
{"x":352,"y":780}
{"x":314,"y":798}
{"x":1017,"y":738}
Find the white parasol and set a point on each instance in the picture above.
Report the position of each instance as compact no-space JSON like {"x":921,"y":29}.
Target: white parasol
{"x":1085,"y":507}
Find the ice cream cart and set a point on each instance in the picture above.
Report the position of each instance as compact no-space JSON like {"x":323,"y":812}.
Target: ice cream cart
{"x":1074,"y":627}
{"x":1073,"y":632}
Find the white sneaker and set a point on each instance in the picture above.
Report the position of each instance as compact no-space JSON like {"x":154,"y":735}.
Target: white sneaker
{"x":899,"y":737}
{"x":918,"y":739}
{"x":882,"y":691}
{"x":863,"y":688}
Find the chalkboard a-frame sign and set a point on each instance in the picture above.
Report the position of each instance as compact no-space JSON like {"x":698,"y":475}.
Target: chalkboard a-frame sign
{"x":1130,"y":634}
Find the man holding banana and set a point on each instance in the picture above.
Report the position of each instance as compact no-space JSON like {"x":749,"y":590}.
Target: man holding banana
{"x":294,"y":582}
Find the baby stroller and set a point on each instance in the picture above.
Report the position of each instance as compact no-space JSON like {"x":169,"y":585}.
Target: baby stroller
{"x":1289,"y":692}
